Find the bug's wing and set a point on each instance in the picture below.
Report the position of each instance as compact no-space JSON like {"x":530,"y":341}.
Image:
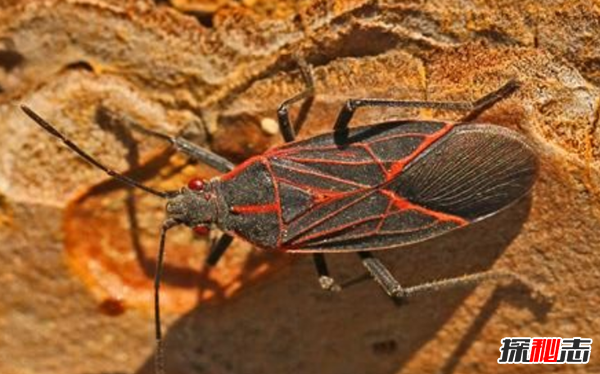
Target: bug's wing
{"x":468,"y":174}
{"x":268,"y":198}
{"x":473,"y":172}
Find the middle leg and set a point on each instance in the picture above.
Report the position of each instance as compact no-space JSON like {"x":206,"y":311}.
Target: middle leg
{"x":289,"y":135}
{"x":325,"y":280}
{"x":190,"y":149}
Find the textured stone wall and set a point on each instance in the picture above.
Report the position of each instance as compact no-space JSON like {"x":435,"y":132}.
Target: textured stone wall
{"x":77,"y":250}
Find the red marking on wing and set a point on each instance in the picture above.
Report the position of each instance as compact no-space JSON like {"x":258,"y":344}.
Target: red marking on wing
{"x":326,"y":161}
{"x":339,"y":228}
{"x":255,"y":209}
{"x":232,"y":174}
{"x":385,"y":215}
{"x":399,"y":202}
{"x":277,"y":199}
{"x":290,"y":149}
{"x":346,"y":153}
{"x":375,"y":159}
{"x":395,"y":169}
{"x":332,"y":214}
{"x":323,"y":197}
{"x":323,"y":175}
{"x":320,"y":196}
{"x":398,"y":166}
{"x":315,"y":191}
{"x":404,"y":204}
{"x":359,"y":235}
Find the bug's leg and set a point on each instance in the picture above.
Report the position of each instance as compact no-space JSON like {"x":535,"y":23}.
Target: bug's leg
{"x":474,"y":107}
{"x":482,"y":104}
{"x":289,"y":135}
{"x":190,"y":149}
{"x":283,"y":116}
{"x":325,"y":280}
{"x":382,"y":276}
{"x":470,"y":280}
{"x":159,"y":359}
{"x":218,"y":249}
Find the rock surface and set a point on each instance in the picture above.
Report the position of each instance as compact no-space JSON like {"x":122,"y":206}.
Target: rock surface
{"x":77,"y":252}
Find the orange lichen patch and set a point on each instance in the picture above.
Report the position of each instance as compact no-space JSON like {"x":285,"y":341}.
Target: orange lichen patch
{"x":111,"y":240}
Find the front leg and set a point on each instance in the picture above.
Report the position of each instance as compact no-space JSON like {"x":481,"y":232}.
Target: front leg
{"x":217,"y":249}
{"x":191,"y":150}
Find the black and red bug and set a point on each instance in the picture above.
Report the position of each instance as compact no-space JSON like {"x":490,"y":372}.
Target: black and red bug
{"x":359,"y":189}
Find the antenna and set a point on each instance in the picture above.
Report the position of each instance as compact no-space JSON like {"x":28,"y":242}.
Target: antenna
{"x":75,"y":148}
{"x":159,"y":359}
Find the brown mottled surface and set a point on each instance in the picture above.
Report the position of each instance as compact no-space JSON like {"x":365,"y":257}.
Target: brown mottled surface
{"x":77,"y":251}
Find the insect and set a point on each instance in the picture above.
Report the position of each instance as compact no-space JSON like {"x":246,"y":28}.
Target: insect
{"x":354,"y":189}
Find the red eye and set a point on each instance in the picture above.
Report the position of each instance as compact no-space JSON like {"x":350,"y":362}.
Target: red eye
{"x":201,"y":230}
{"x":196,"y":184}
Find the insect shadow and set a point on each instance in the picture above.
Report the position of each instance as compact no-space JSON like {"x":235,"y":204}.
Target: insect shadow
{"x":111,"y":122}
{"x":290,"y":325}
{"x":179,"y":276}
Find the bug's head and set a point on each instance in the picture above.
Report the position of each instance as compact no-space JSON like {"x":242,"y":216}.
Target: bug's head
{"x":193,"y":206}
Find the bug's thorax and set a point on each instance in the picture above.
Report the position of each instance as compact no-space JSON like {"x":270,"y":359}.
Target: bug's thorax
{"x":195,"y":205}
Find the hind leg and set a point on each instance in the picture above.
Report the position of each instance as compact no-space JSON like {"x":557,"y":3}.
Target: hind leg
{"x":394,"y":290}
{"x":474,"y":108}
